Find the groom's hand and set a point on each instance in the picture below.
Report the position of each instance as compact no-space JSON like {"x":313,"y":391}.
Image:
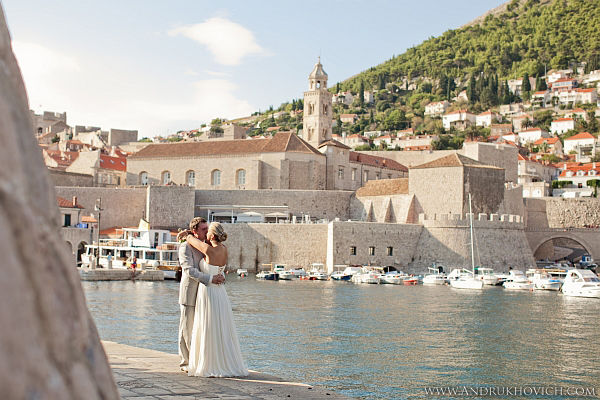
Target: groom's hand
{"x":218,"y":279}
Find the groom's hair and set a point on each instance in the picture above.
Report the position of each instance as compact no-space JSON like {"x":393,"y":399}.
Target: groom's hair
{"x":195,"y":222}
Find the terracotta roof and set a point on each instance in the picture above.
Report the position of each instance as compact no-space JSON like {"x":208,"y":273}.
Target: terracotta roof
{"x":574,"y":167}
{"x":88,"y":219}
{"x":521,"y":157}
{"x":116,"y":163}
{"x":563,"y":120}
{"x":453,"y":160}
{"x":63,"y":158}
{"x":585,"y":90}
{"x":383,"y":187}
{"x":551,"y":140}
{"x":459,"y":112}
{"x":376,"y":161}
{"x":578,"y":110}
{"x":582,"y":135}
{"x":532,"y":130}
{"x":348,"y":115}
{"x":334,"y":143}
{"x":281,"y":142}
{"x":64,"y":203}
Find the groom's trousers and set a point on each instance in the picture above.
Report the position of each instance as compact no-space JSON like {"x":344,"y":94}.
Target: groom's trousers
{"x":186,"y":324}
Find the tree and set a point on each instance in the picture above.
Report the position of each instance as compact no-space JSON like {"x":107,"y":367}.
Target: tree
{"x":361,"y":94}
{"x":593,"y":183}
{"x":526,"y":87}
{"x":471,"y":90}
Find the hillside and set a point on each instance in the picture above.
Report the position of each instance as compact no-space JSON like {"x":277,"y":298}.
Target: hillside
{"x":527,"y":37}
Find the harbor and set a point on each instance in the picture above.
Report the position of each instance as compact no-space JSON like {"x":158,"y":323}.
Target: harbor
{"x":376,"y":341}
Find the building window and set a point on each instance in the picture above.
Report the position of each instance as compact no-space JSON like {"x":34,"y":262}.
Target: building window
{"x":377,"y":175}
{"x":390,"y":251}
{"x":67,"y":220}
{"x":144,"y":178}
{"x":366,"y":176}
{"x":341,"y":173}
{"x":353,"y":174}
{"x":240,"y":177}
{"x":371,"y":250}
{"x":215,"y":177}
{"x":580,"y":185}
{"x":166,"y":177}
{"x":352,"y":250}
{"x":389,"y":176}
{"x":190,"y":178}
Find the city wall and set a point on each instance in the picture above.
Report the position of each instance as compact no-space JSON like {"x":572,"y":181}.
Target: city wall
{"x":169,"y":206}
{"x":319,"y":204}
{"x":62,"y":178}
{"x":397,"y":208}
{"x":551,"y":212}
{"x":122,"y":206}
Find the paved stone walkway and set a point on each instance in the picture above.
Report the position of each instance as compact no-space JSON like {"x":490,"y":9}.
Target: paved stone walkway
{"x":143,"y":374}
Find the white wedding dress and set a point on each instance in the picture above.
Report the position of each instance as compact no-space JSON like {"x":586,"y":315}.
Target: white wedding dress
{"x":215,"y":349}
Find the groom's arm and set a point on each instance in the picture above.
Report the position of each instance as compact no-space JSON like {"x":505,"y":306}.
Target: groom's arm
{"x":186,"y":260}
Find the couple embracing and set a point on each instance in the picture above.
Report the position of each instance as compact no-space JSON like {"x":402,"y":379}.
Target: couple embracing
{"x":208,"y":342}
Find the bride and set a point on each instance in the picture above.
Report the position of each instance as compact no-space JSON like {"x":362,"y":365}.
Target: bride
{"x":215,"y":349}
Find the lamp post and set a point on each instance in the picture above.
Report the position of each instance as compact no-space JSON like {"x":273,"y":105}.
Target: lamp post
{"x":98,"y":209}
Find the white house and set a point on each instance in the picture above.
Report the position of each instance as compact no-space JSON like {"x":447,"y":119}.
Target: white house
{"x":343,"y":98}
{"x":530,"y":135}
{"x":436,"y":108}
{"x":541,"y":98}
{"x":579,"y":174}
{"x":369,"y":98}
{"x":518,"y":121}
{"x":486,"y":118}
{"x":459,"y":119}
{"x":562,"y":125}
{"x":553,"y":143}
{"x":583,"y":139}
{"x":348,"y":118}
{"x":586,"y":96}
{"x":387,"y":139}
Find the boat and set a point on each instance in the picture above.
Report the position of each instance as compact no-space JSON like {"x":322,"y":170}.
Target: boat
{"x":268,"y":275}
{"x":286,"y":275}
{"x":339,"y":273}
{"x":370,"y":275}
{"x":487,"y":276}
{"x":468,"y":280}
{"x":581,"y":283}
{"x":411,"y":280}
{"x":542,"y":280}
{"x":394,"y":278}
{"x":437,"y":276}
{"x":517,"y":281}
{"x":151,"y":249}
{"x":242,"y":272}
{"x":316,"y":272}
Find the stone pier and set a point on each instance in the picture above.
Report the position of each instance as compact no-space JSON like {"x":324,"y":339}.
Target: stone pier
{"x":102,"y":274}
{"x":143,"y":374}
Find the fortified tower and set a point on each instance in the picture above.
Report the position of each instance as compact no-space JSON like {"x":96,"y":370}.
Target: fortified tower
{"x":317,"y":108}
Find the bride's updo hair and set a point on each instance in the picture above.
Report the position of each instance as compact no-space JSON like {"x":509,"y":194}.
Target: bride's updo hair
{"x":217,"y":230}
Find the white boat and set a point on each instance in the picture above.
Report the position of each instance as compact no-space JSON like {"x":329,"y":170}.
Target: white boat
{"x":317,"y":273}
{"x":242,"y":272}
{"x":150,"y":248}
{"x":368,"y":275}
{"x":298,"y":272}
{"x":393,"y":277}
{"x":346,"y":274}
{"x":581,"y":283}
{"x":542,"y":280}
{"x":468,"y":280}
{"x":286,"y":275}
{"x":517,"y":281}
{"x":437,"y":276}
{"x":268,"y":275}
{"x":487,"y":276}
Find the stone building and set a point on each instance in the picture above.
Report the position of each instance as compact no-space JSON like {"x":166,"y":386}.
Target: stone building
{"x":284,"y":161}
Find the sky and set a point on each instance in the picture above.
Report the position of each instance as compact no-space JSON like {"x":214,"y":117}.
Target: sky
{"x":160,"y":66}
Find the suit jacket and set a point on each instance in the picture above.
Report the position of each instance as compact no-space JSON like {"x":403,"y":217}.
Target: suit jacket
{"x":191,"y":275}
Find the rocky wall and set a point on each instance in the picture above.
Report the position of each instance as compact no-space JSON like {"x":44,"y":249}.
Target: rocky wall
{"x":49,"y":344}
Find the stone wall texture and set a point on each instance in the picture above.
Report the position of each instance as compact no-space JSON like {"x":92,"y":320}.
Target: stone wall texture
{"x":170,"y":206}
{"x":572,"y":213}
{"x":319,"y":204}
{"x":122,"y":206}
{"x":62,"y":178}
{"x":49,"y":344}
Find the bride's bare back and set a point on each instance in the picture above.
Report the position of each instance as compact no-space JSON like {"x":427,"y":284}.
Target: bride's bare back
{"x":217,"y":254}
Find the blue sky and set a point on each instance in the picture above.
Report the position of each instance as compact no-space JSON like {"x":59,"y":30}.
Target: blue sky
{"x":164,"y":65}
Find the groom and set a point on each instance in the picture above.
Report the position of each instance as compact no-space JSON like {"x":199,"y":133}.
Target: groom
{"x":191,"y":276}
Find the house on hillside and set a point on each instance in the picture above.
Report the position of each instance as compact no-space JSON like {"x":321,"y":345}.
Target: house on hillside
{"x":437,"y":108}
{"x":531,"y":135}
{"x":562,"y":125}
{"x":549,"y":145}
{"x":348,"y":118}
{"x":486,"y":118}
{"x":541,"y":99}
{"x":460,"y":119}
{"x":582,"y":143}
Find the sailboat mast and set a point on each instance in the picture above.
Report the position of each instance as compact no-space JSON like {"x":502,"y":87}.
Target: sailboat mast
{"x":472,"y":247}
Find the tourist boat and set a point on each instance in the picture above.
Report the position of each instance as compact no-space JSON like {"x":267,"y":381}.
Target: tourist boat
{"x":581,"y":283}
{"x":242,"y":272}
{"x":394,"y":278}
{"x":411,"y":280}
{"x":152,"y":249}
{"x":542,"y":280}
{"x":368,"y":275}
{"x":437,"y":276}
{"x":268,"y":275}
{"x":346,"y":274}
{"x":316,"y":273}
{"x":286,"y":275}
{"x":468,"y":280}
{"x":487,"y":276}
{"x":517,"y":281}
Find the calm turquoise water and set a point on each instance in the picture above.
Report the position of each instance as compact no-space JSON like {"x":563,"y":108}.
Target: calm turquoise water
{"x":378,"y":341}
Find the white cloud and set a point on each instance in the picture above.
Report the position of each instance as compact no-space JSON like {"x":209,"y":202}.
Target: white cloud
{"x":118,"y":97}
{"x":227,"y":41}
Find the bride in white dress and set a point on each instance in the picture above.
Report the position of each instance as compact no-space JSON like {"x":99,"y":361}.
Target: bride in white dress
{"x":215,"y":349}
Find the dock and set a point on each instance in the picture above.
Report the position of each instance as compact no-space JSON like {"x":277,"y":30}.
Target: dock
{"x":105,"y":274}
{"x":143,"y":374}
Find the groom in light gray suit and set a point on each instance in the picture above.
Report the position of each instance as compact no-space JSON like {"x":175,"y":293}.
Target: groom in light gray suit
{"x":191,"y":277}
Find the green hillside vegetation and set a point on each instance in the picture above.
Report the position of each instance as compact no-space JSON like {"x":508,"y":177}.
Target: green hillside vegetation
{"x":525,"y":40}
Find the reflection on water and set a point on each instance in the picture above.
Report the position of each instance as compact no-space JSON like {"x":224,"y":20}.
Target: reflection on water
{"x":373,"y":341}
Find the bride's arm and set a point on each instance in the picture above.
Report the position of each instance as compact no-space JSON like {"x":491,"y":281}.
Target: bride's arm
{"x":199,"y":245}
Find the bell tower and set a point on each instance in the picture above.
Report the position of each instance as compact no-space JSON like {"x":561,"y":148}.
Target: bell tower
{"x":317,"y":108}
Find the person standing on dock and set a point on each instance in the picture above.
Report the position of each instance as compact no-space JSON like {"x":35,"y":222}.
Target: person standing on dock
{"x":191,"y":277}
